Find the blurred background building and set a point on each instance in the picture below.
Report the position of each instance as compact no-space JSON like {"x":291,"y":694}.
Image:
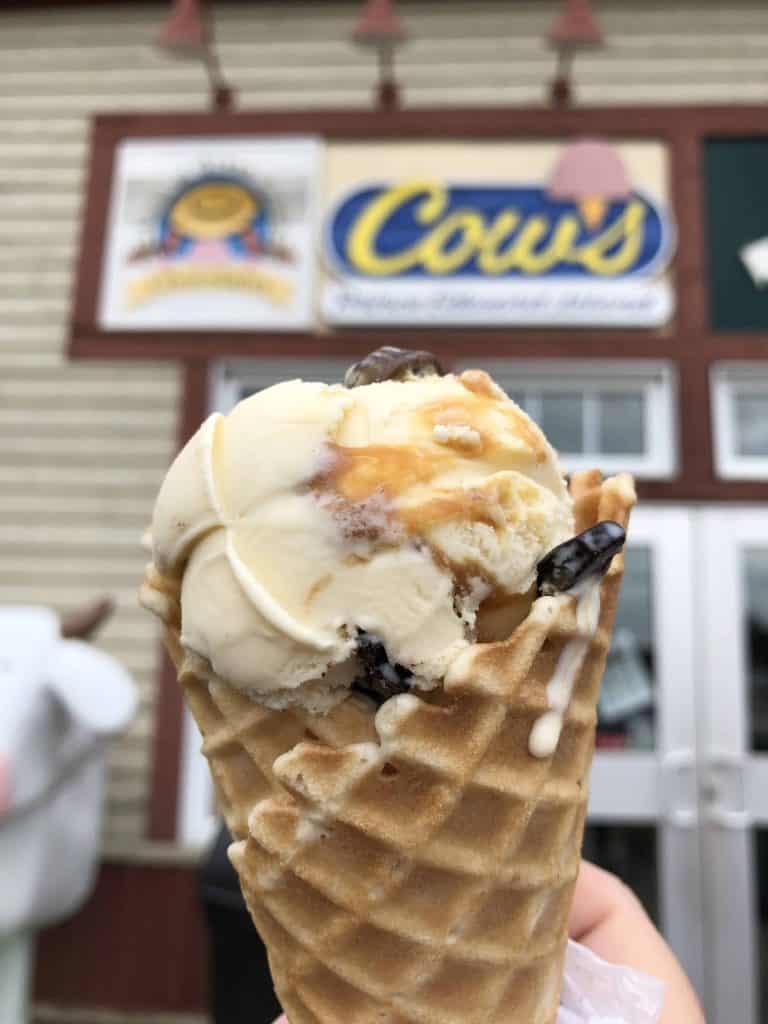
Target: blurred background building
{"x":679,"y":804}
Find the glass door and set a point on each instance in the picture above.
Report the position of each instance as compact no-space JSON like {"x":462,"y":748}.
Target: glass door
{"x":732,"y":655}
{"x":643,"y":821}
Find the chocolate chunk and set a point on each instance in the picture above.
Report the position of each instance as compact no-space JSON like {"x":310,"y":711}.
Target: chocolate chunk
{"x":389,"y":363}
{"x":588,"y":554}
{"x":381,"y":679}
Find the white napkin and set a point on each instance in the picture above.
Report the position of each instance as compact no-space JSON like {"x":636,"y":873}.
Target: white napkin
{"x":595,"y":992}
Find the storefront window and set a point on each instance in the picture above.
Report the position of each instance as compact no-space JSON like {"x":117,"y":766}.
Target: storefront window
{"x":736,"y":206}
{"x":626,"y":712}
{"x":232,"y":382}
{"x":761,"y":873}
{"x":629,"y":851}
{"x":750,"y":412}
{"x":583,"y":422}
{"x":756,"y":576}
{"x":562,"y":419}
{"x":622,"y":423}
{"x":617,"y":421}
{"x":740,"y":403}
{"x":615,"y":417}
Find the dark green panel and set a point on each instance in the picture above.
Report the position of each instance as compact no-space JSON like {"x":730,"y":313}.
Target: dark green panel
{"x":736,"y":173}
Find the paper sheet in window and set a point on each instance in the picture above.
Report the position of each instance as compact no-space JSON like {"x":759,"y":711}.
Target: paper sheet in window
{"x":754,"y":256}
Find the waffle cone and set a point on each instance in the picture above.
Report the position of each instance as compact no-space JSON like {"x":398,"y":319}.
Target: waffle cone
{"x":416,"y":866}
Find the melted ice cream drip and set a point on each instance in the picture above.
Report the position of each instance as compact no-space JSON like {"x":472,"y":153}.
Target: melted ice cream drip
{"x":545,"y":734}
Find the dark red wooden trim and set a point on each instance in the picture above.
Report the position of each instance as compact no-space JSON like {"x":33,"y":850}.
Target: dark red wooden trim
{"x":447,"y":342}
{"x":694,"y":425}
{"x":138,"y":945}
{"x":683,"y":128}
{"x":94,"y":226}
{"x":448,"y":122}
{"x":685,"y":491}
{"x":166,"y":755}
{"x":194,"y":398}
{"x":687,"y":203}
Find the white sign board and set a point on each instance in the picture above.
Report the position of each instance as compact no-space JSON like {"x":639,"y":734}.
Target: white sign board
{"x":216,"y":233}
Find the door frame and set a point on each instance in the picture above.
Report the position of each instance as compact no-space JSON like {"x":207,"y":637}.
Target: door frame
{"x":661,"y":787}
{"x":734,"y":789}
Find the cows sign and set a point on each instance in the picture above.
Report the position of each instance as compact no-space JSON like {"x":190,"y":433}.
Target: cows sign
{"x":586,"y":247}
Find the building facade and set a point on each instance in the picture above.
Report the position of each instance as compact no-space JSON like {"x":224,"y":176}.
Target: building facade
{"x":87,"y":441}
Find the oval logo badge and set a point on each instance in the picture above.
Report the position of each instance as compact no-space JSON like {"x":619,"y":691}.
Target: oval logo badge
{"x":434,"y":231}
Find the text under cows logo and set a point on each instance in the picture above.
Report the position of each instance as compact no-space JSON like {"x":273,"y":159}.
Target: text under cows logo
{"x":586,"y":248}
{"x":215,"y":231}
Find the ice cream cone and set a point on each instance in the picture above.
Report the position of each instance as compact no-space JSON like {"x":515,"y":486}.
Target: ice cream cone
{"x":416,"y":864}
{"x":592,"y":210}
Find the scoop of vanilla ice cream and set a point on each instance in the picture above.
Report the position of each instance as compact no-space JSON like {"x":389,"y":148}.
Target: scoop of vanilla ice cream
{"x":313,"y":512}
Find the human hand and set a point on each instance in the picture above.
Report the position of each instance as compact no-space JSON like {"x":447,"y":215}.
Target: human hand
{"x":608,"y":918}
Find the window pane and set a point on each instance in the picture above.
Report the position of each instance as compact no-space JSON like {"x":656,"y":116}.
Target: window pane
{"x":756,"y":579}
{"x":517,"y":396}
{"x":622,"y":422}
{"x":630,"y":852}
{"x":761,"y":864}
{"x":751,"y":415}
{"x":626,"y":712}
{"x":562,"y":420}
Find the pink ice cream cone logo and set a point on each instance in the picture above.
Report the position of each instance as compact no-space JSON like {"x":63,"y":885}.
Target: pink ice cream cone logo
{"x":591,"y":174}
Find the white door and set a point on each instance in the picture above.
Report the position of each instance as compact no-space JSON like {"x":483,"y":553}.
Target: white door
{"x":685,"y":820}
{"x":643,"y":820}
{"x":732,"y":664}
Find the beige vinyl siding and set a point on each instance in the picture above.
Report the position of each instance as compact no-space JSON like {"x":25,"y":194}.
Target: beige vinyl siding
{"x":288,"y":53}
{"x":84,"y":445}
